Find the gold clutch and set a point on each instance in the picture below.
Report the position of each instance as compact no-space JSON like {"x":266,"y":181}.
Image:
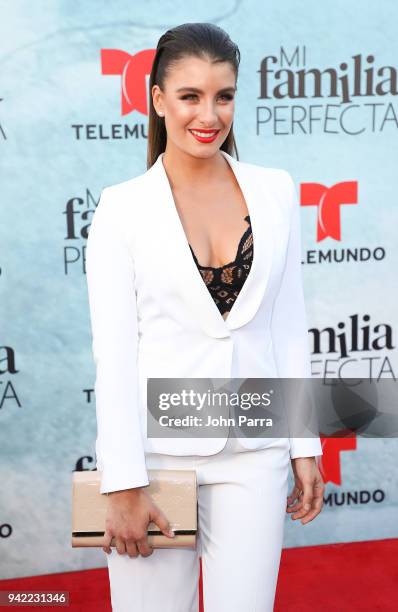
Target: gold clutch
{"x":173,"y":491}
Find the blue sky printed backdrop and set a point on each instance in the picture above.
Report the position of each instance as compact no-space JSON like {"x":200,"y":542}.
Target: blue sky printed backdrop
{"x":50,"y":81}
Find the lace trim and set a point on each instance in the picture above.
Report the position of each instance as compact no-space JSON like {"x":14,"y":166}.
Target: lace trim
{"x":225,"y":282}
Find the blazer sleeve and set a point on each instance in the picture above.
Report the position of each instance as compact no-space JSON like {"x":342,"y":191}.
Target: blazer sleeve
{"x":289,"y":322}
{"x":113,"y":314}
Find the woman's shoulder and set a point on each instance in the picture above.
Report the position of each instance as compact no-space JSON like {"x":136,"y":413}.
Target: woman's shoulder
{"x":124,"y":205}
{"x":275,"y":183}
{"x":124,"y":200}
{"x":125,"y":186}
{"x":269,"y":172}
{"x":277,"y":180}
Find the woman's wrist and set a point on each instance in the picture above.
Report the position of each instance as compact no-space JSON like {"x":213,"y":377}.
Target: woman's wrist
{"x":124,"y":492}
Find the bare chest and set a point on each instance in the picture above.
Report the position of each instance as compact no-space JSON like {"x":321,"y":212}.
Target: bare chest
{"x":214,"y":222}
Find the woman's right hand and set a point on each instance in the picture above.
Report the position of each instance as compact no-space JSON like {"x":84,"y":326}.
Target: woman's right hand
{"x":129,"y":513}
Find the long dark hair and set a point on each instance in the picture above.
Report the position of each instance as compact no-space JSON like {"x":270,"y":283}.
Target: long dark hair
{"x":203,"y":40}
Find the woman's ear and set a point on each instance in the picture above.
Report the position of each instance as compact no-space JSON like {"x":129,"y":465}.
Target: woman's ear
{"x":156,"y":95}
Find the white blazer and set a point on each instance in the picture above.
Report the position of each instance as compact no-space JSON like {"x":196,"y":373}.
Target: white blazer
{"x":153,"y":316}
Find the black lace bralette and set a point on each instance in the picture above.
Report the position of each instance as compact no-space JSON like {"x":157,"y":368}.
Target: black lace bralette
{"x":224,"y":283}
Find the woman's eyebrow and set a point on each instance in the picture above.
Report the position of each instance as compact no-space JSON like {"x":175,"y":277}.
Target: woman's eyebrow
{"x":225,"y":89}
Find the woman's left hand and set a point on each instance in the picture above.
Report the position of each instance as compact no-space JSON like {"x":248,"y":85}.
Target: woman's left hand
{"x":308,"y":490}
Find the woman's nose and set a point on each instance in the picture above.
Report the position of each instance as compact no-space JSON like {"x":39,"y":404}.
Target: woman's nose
{"x":207,"y":115}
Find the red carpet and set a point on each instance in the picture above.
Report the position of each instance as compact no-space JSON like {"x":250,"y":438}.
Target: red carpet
{"x":352,"y":577}
{"x":357,"y":576}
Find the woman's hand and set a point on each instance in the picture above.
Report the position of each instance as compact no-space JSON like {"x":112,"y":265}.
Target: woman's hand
{"x":129,"y":513}
{"x":308,"y":490}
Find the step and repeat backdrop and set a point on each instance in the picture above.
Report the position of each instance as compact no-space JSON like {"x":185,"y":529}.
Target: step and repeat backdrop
{"x":317,"y":96}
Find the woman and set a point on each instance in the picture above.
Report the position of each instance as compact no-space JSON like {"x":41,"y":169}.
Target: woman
{"x":193,"y":271}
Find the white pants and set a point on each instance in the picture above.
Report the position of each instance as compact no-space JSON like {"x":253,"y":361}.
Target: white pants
{"x":241,"y":511}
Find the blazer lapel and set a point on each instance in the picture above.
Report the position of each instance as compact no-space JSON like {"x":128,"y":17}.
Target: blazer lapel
{"x":260,"y":211}
{"x":181,"y":264}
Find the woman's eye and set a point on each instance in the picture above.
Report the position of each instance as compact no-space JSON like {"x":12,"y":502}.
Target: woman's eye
{"x":187,"y":96}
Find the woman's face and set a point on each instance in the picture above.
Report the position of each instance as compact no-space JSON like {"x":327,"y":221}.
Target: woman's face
{"x":198,"y":95}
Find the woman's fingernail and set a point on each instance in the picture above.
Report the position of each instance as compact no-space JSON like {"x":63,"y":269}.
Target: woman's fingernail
{"x":171,"y":533}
